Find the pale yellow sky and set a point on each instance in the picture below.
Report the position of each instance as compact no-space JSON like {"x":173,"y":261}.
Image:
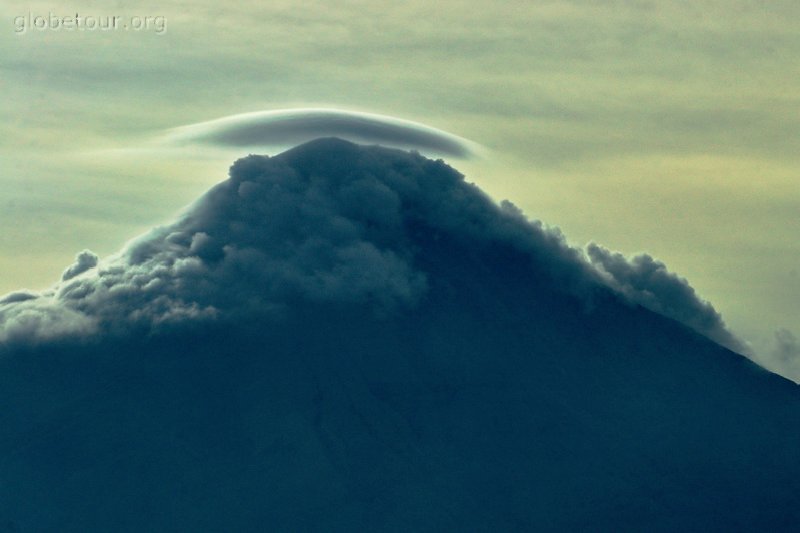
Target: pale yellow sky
{"x":665,"y":127}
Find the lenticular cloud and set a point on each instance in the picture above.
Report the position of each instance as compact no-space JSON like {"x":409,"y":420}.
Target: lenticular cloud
{"x":288,"y":127}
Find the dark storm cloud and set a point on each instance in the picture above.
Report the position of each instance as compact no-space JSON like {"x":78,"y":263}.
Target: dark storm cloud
{"x":293,"y":126}
{"x":647,"y":282}
{"x":327,"y":222}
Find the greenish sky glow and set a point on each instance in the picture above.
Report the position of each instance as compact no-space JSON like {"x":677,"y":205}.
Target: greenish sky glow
{"x":666,"y":127}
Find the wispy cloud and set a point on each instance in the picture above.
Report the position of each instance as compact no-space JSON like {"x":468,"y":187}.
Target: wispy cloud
{"x":647,"y":282}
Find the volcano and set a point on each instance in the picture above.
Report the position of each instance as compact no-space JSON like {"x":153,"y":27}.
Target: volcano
{"x":354,"y":338}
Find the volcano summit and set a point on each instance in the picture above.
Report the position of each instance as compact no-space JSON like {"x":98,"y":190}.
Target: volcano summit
{"x":353,"y":338}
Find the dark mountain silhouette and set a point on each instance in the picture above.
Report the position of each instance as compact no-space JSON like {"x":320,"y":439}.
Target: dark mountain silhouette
{"x":346,"y":338}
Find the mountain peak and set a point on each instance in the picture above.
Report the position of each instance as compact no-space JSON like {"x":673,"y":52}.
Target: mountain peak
{"x":328,"y":221}
{"x":355,"y":338}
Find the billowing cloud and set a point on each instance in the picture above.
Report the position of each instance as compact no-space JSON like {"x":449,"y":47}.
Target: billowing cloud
{"x":647,"y":282}
{"x":288,"y":127}
{"x":43,"y":319}
{"x":83,"y":261}
{"x":326,"y":222}
{"x":329,"y":223}
{"x":18,"y":296}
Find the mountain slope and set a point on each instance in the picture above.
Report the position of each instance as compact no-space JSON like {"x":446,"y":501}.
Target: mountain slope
{"x":351,"y":338}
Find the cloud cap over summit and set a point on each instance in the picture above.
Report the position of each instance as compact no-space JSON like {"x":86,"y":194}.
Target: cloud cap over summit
{"x":287,"y":127}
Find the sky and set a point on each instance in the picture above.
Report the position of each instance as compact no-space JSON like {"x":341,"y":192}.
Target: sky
{"x":661,"y":127}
